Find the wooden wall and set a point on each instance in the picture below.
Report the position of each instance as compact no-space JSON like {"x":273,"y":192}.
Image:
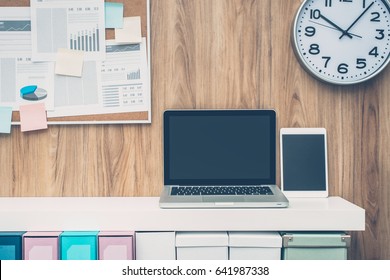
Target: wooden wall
{"x":219,"y":54}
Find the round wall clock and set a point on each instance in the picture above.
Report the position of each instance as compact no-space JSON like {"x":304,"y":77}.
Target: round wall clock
{"x":342,"y":41}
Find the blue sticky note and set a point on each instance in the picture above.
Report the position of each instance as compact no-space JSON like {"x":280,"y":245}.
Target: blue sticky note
{"x":113,"y":15}
{"x":5,"y":119}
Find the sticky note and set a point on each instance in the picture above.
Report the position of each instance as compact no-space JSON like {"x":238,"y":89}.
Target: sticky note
{"x":33,"y":117}
{"x":69,"y":62}
{"x":131,"y":31}
{"x":5,"y":119}
{"x":113,"y":15}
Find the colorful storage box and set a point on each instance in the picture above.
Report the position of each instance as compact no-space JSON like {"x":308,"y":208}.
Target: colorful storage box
{"x":116,"y":245}
{"x":11,"y":245}
{"x":255,"y":245}
{"x":41,"y":245}
{"x":315,"y":246}
{"x":78,"y":245}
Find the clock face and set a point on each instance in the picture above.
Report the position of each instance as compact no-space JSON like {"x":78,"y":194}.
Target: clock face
{"x":343,"y":41}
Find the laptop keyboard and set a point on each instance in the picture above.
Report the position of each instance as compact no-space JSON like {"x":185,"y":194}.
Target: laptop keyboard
{"x":221,"y":190}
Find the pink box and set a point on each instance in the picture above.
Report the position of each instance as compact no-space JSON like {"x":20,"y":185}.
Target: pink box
{"x":116,"y":245}
{"x":39,"y":245}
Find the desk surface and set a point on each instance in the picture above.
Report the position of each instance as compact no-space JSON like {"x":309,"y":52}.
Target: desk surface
{"x":144,"y":214}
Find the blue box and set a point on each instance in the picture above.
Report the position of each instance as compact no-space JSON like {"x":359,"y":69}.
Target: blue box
{"x":78,"y":245}
{"x":11,"y":245}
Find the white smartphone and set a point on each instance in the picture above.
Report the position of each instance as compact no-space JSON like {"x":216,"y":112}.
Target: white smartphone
{"x":303,"y":161}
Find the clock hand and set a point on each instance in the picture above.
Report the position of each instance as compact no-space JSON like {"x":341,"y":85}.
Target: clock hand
{"x":327,"y":26}
{"x":337,"y":27}
{"x":356,"y":20}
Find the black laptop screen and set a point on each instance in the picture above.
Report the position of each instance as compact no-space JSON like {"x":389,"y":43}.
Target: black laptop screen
{"x":223,"y":147}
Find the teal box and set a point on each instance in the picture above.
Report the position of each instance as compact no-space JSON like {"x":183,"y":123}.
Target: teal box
{"x":315,"y":245}
{"x":78,"y":245}
{"x":11,"y":245}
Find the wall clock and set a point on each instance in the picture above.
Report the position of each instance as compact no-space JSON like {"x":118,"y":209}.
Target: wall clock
{"x":342,"y":41}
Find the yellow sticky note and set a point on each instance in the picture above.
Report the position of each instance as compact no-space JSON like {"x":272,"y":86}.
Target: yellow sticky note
{"x":69,"y":62}
{"x":33,"y":117}
{"x":131,"y":31}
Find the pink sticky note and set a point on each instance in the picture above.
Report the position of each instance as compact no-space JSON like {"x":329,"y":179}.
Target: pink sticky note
{"x":33,"y":117}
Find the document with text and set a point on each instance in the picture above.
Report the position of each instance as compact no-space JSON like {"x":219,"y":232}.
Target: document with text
{"x":75,"y":25}
{"x":21,"y":80}
{"x":119,"y":84}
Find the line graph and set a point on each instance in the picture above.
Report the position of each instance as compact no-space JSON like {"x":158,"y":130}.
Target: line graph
{"x":122,"y":48}
{"x":15,"y":25}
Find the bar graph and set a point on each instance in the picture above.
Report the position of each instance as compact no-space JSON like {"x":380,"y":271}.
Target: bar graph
{"x":85,"y":40}
{"x":75,"y":25}
{"x":134,"y":75}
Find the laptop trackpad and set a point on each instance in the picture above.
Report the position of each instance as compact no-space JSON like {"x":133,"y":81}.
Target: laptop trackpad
{"x":213,"y":198}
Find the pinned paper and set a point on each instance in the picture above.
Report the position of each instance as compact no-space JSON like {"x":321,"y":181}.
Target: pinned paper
{"x":5,"y":119}
{"x":33,"y":117}
{"x":113,"y":15}
{"x":131,"y":31}
{"x":69,"y":62}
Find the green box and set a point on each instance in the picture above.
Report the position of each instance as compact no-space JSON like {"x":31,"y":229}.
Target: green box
{"x":315,"y":245}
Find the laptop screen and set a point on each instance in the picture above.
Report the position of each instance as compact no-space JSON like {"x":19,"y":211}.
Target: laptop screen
{"x":219,"y":147}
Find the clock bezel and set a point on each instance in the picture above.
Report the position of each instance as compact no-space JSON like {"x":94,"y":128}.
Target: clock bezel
{"x":308,"y":69}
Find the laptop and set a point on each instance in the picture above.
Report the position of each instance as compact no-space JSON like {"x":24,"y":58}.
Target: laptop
{"x":220,"y":159}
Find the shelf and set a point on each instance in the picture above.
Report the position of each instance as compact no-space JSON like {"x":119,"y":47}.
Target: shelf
{"x":144,"y":214}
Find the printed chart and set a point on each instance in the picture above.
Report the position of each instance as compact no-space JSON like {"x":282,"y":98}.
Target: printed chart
{"x":77,"y":25}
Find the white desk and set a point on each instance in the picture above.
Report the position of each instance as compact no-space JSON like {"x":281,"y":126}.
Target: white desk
{"x":143,"y":214}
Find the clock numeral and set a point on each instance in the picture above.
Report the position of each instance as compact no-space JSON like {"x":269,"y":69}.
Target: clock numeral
{"x":314,"y":49}
{"x":328,"y":3}
{"x":381,"y":34}
{"x":315,"y":14}
{"x":343,"y":68}
{"x":364,"y":4}
{"x":374,"y":52}
{"x":310,"y":31}
{"x":327,"y":58}
{"x":361,"y":63}
{"x":375,"y":17}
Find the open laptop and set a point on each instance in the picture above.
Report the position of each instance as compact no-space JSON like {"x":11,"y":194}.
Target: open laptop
{"x":220,"y":159}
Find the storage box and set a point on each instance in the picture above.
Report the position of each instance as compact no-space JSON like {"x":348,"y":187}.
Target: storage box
{"x":11,"y":245}
{"x":202,"y":245}
{"x":41,"y":245}
{"x":116,"y":245}
{"x":155,"y":246}
{"x":78,"y":245}
{"x":255,"y":245}
{"x":315,"y":246}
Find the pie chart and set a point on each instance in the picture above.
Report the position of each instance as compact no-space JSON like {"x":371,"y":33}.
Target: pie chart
{"x":33,"y":93}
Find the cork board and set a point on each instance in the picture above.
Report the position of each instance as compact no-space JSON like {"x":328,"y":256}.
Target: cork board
{"x":131,"y":8}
